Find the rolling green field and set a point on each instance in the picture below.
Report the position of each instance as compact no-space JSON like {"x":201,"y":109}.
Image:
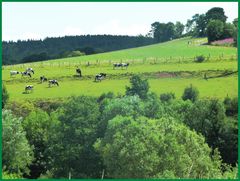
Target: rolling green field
{"x":169,"y":67}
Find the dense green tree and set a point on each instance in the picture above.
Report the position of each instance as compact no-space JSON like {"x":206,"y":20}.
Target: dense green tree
{"x":208,"y":118}
{"x":17,"y":154}
{"x":165,"y":31}
{"x":138,"y":87}
{"x":190,"y":93}
{"x":235,"y":22}
{"x":197,"y":25}
{"x":228,"y":141}
{"x":215,"y":30}
{"x":216,"y":13}
{"x":166,"y":97}
{"x":235,"y":33}
{"x":71,"y":151}
{"x":126,"y":106}
{"x":5,"y":95}
{"x":152,"y":106}
{"x":177,"y":109}
{"x":231,"y":106}
{"x":228,"y":30}
{"x":145,"y":148}
{"x":178,"y":29}
{"x":38,"y":125}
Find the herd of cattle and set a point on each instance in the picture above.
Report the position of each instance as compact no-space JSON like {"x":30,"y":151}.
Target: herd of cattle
{"x":29,"y":71}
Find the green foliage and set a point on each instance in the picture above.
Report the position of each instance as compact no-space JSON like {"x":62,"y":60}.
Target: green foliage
{"x":20,"y":108}
{"x":208,"y":118}
{"x":167,"y":97}
{"x":17,"y":154}
{"x":5,"y":95}
{"x":166,"y":31}
{"x":152,"y":106}
{"x":72,"y":54}
{"x":145,"y":148}
{"x":178,"y":29}
{"x":138,"y":87}
{"x":215,"y":29}
{"x":71,"y":141}
{"x":231,"y":106}
{"x":177,"y":109}
{"x":190,"y":93}
{"x":228,"y":141}
{"x":6,"y":175}
{"x":216,"y":13}
{"x":228,"y":30}
{"x":52,"y":48}
{"x":197,"y":25}
{"x":199,"y":59}
{"x":126,"y":106}
{"x":38,"y":126}
{"x":48,"y":105}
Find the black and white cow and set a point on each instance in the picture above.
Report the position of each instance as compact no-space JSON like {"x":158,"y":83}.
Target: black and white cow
{"x":125,"y":65}
{"x":116,"y":65}
{"x":100,"y":76}
{"x":79,"y":72}
{"x":52,"y":82}
{"x":29,"y":88}
{"x":30,"y":70}
{"x":14,"y":72}
{"x":26,"y":74}
{"x":43,"y":79}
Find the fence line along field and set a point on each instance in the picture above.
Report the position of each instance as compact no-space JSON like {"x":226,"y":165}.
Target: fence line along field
{"x":168,"y":66}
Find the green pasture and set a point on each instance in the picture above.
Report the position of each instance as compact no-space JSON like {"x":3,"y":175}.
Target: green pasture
{"x":174,"y":56}
{"x":173,"y":51}
{"x":91,"y":71}
{"x":217,"y":87}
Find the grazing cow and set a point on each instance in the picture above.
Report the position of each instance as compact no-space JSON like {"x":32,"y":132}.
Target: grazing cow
{"x":26,"y":74}
{"x":53,"y":82}
{"x":28,"y":88}
{"x":125,"y":65}
{"x":79,"y":72}
{"x":100,"y":76}
{"x":30,"y":70}
{"x":116,"y":65}
{"x":14,"y":72}
{"x":43,"y":79}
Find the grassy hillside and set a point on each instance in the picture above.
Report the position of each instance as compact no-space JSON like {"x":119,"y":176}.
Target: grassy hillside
{"x":168,"y":67}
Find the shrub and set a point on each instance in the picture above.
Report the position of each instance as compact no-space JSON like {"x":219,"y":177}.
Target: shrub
{"x":138,"y":87}
{"x":190,"y":93}
{"x":166,"y":97}
{"x":231,"y":106}
{"x":199,"y":59}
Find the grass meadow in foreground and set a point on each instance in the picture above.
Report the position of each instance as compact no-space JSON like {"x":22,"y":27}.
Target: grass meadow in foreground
{"x":217,"y":87}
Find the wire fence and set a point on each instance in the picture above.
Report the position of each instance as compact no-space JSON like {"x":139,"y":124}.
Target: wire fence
{"x":149,"y":60}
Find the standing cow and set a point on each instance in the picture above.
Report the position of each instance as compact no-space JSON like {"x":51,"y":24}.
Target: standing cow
{"x":43,"y":79}
{"x":26,"y":74}
{"x":100,"y":76}
{"x":28,"y":88}
{"x":79,"y":72}
{"x":14,"y":72}
{"x":30,"y":70}
{"x":52,"y":82}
